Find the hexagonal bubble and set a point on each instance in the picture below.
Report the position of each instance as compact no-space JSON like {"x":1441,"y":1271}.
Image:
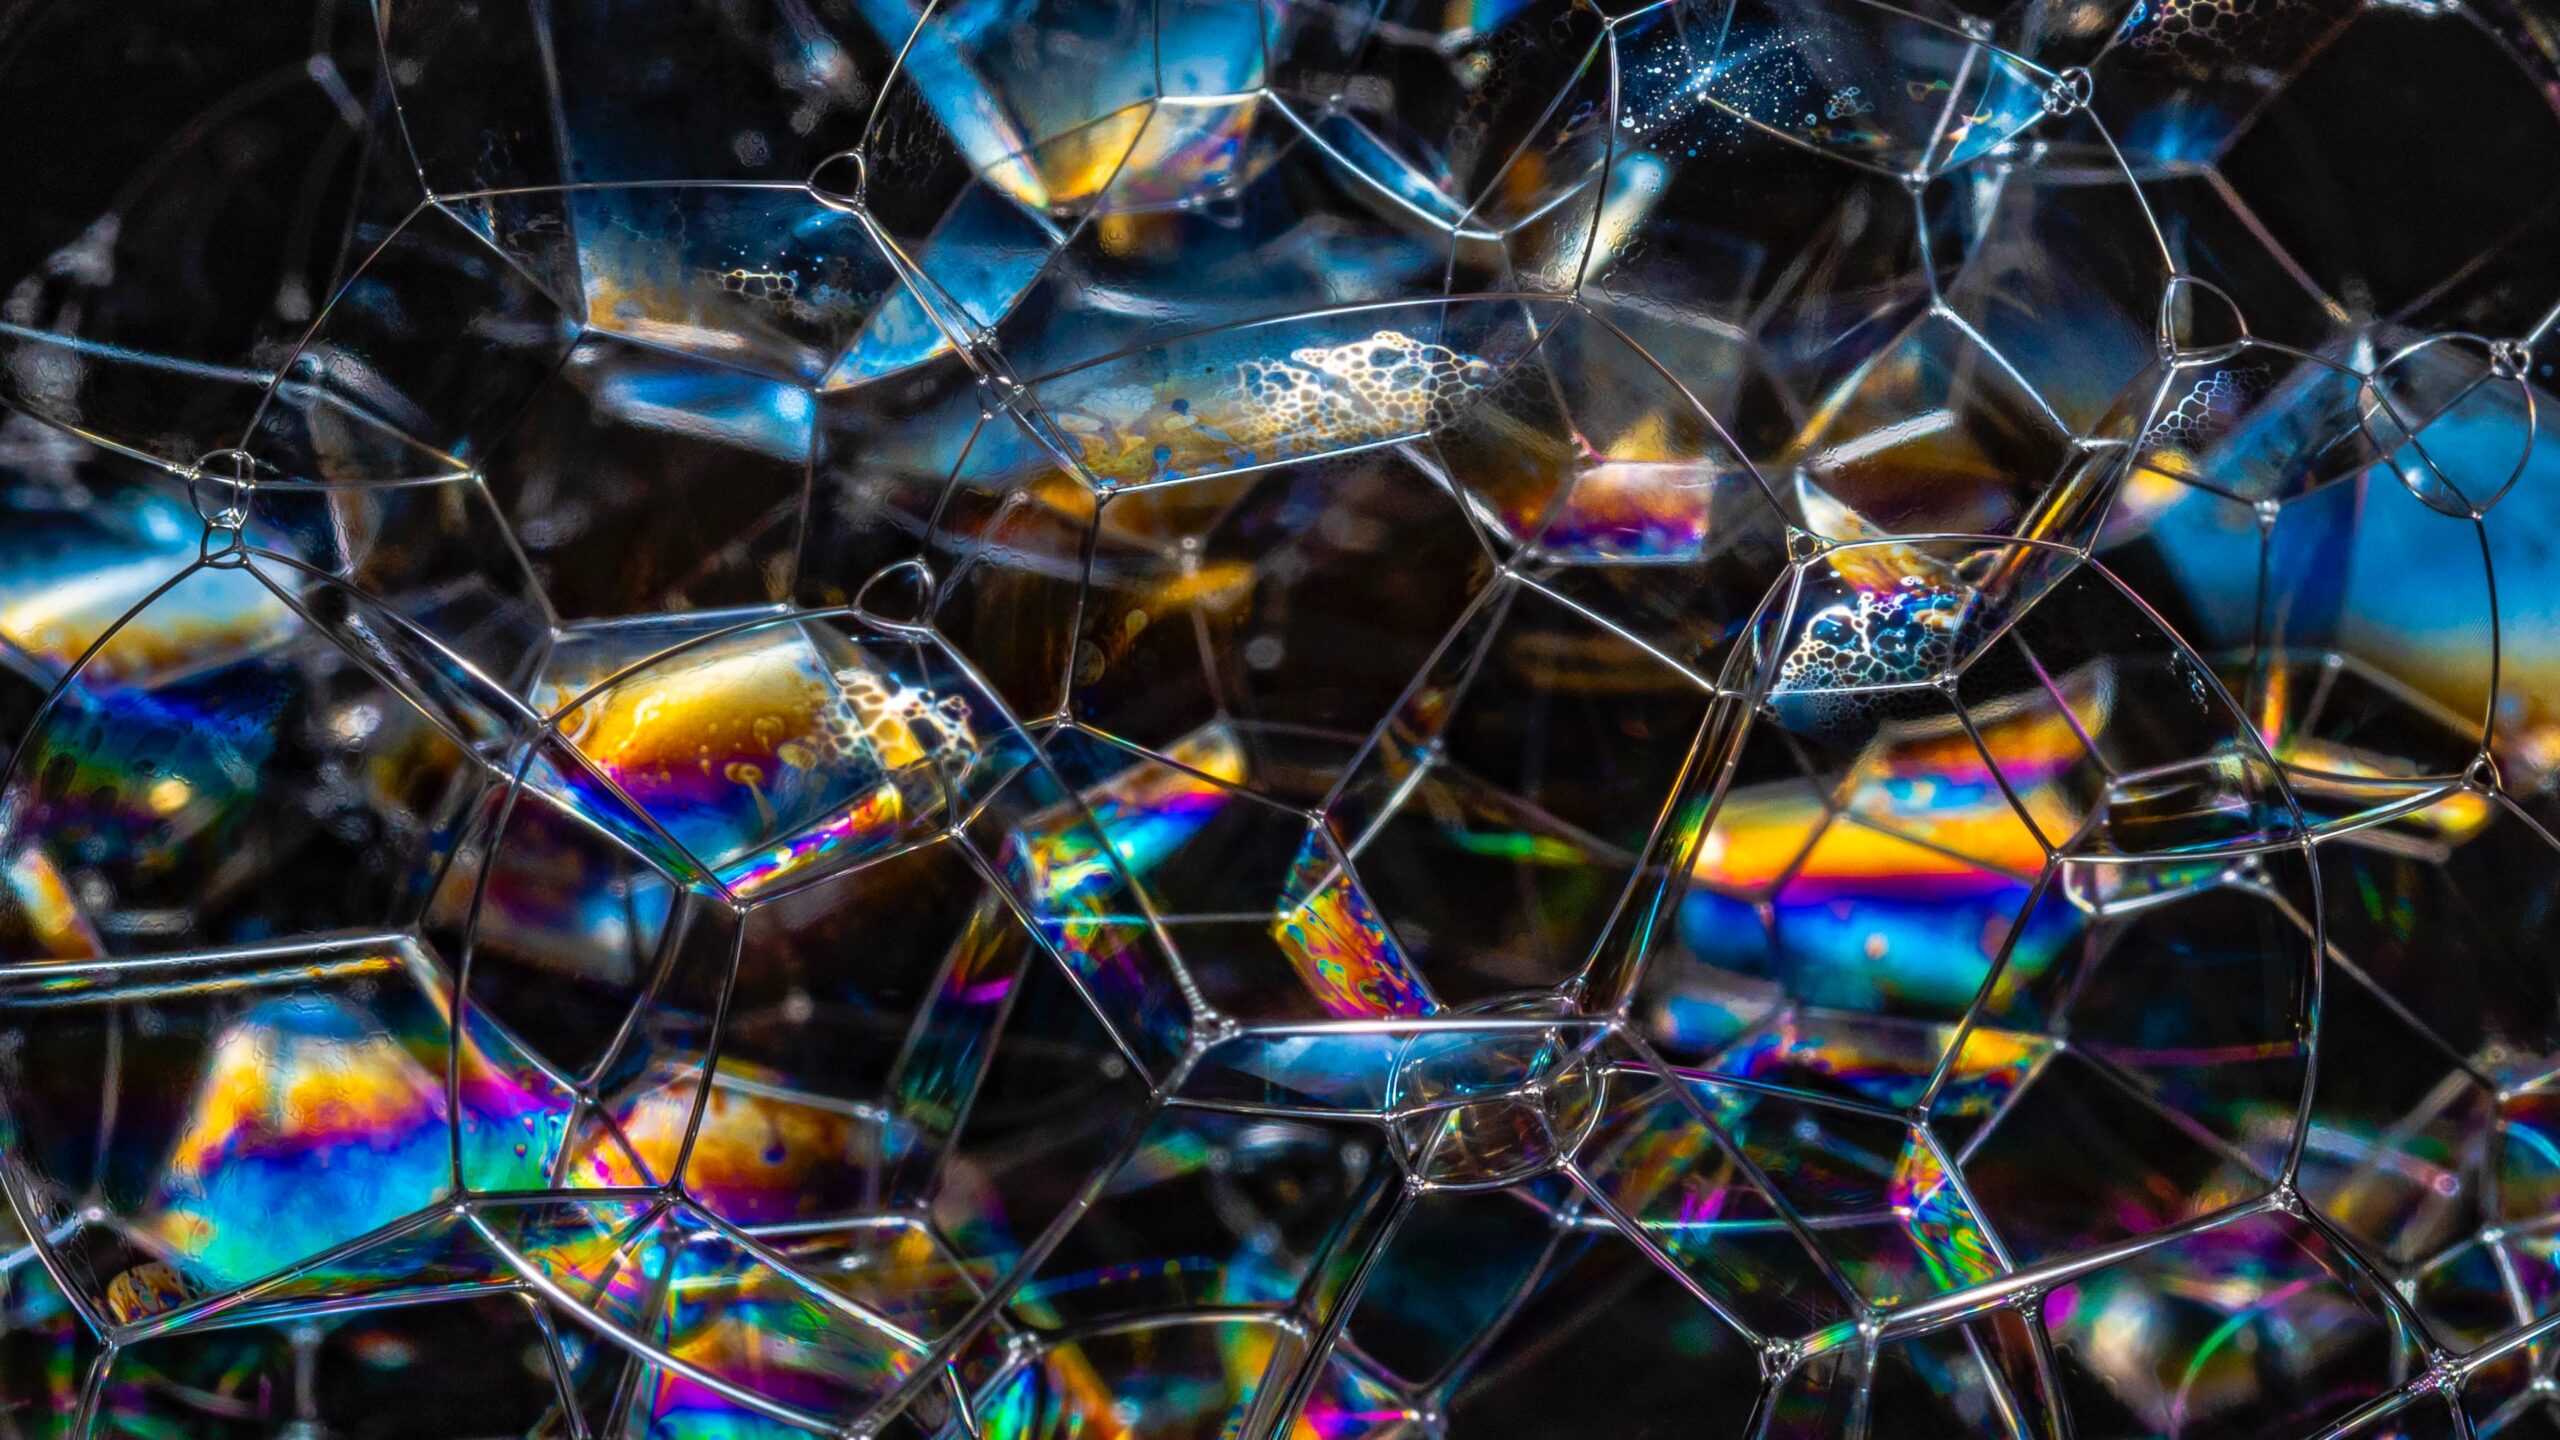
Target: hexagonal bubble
{"x":2247,"y":419}
{"x":202,"y":776}
{"x":194,"y":1125}
{"x":1596,"y":471}
{"x":583,"y":479}
{"x":769,"y":751}
{"x":1469,"y":765}
{"x":2193,"y":1003}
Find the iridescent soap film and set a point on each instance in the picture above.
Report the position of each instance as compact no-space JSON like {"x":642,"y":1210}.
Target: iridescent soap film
{"x":1280,"y":719}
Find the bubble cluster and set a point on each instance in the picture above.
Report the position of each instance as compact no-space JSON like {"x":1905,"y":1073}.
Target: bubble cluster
{"x":1388,"y":720}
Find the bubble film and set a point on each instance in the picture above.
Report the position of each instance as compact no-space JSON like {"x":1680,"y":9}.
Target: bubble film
{"x":1280,"y":719}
